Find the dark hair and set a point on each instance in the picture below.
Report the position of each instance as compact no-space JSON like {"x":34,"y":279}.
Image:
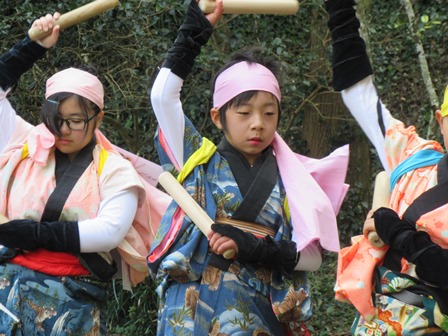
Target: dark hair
{"x":250,"y":55}
{"x":49,"y":113}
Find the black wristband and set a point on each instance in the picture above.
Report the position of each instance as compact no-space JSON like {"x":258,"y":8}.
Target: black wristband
{"x":193,"y":34}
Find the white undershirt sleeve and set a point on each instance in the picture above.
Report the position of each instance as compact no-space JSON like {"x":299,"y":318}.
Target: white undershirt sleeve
{"x":371,"y":114}
{"x":115,"y":216}
{"x":7,"y":119}
{"x":167,"y":106}
{"x":310,"y":258}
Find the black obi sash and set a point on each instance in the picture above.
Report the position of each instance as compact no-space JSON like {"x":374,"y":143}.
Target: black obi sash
{"x":432,"y":198}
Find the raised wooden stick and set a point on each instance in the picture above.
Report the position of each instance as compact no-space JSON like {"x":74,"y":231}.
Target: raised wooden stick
{"x":276,"y":7}
{"x":76,"y":16}
{"x":190,"y":206}
{"x":381,"y":197}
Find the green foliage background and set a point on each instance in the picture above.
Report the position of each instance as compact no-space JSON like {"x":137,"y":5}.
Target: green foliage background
{"x":128,"y":44}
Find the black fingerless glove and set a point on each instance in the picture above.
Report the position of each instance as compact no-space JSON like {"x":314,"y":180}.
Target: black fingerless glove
{"x":390,"y":228}
{"x":277,"y":255}
{"x":193,"y":34}
{"x":19,"y":59}
{"x":415,"y":246}
{"x":350,"y":61}
{"x":27,"y":234}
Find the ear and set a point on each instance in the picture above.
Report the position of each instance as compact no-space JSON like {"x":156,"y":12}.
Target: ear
{"x":215,"y":115}
{"x":99,"y":119}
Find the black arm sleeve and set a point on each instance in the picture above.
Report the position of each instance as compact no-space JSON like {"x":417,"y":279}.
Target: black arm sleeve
{"x":428,"y":258}
{"x":350,"y":61}
{"x":415,"y":246}
{"x":19,"y":59}
{"x":193,"y":34}
{"x":27,"y":234}
{"x":277,"y":255}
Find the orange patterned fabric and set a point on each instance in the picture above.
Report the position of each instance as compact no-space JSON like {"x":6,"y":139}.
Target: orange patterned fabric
{"x":357,"y":262}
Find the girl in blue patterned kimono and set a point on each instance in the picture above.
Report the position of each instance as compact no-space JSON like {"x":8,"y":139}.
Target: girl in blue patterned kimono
{"x":264,"y":288}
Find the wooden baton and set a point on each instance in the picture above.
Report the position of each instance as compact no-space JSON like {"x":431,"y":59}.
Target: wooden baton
{"x":381,"y":196}
{"x":189,"y":206}
{"x":277,"y":7}
{"x":76,"y":16}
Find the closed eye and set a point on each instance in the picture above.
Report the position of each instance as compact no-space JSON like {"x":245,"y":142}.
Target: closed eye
{"x":76,"y":121}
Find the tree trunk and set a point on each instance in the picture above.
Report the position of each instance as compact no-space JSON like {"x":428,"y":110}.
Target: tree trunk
{"x":426,"y":75}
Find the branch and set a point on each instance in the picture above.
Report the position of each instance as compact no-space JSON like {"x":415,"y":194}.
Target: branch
{"x":426,"y":75}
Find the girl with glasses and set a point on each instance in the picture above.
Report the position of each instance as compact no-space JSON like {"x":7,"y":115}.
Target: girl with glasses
{"x":68,"y":205}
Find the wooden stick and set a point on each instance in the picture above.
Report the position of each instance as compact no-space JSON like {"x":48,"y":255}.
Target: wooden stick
{"x":277,"y":7}
{"x":381,"y":197}
{"x":76,"y":16}
{"x":190,"y":206}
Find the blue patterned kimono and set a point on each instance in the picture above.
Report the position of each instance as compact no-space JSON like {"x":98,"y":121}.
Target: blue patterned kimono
{"x":42,"y":305}
{"x":200,"y":299}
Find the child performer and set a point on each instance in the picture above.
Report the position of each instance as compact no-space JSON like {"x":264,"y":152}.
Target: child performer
{"x":68,"y":205}
{"x":409,"y":285}
{"x":244,"y":185}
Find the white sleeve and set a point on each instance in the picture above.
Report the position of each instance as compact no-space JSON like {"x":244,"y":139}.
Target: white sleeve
{"x":115,"y":216}
{"x":7,"y":120}
{"x":310,"y":258}
{"x":165,"y":101}
{"x":371,"y":114}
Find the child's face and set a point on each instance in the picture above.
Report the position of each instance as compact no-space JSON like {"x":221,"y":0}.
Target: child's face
{"x":251,"y":126}
{"x":72,"y":141}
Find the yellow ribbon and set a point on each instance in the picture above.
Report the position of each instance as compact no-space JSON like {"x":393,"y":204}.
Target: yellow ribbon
{"x":444,"y":110}
{"x":201,"y":156}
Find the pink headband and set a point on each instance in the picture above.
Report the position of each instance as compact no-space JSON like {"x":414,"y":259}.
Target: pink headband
{"x":76,"y":81}
{"x":242,"y":77}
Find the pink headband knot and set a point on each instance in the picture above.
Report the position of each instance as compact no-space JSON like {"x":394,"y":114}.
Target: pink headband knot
{"x":242,"y":77}
{"x":79,"y":82}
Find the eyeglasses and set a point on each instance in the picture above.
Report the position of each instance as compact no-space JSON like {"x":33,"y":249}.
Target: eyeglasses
{"x":75,"y":124}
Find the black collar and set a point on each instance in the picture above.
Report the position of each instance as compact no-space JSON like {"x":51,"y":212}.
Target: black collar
{"x":67,"y":174}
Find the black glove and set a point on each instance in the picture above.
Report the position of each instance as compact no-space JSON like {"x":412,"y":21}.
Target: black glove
{"x":27,"y":234}
{"x":193,"y":34}
{"x":415,"y":246}
{"x":19,"y":59}
{"x":389,"y":226}
{"x":350,"y":61}
{"x":277,"y":255}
